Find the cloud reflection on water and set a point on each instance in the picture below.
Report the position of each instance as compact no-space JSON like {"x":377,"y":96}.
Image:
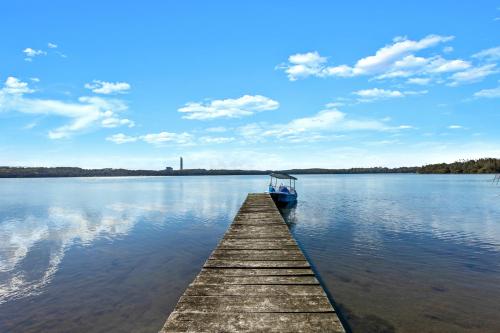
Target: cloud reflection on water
{"x":375,"y":208}
{"x":34,"y":241}
{"x":50,"y":236}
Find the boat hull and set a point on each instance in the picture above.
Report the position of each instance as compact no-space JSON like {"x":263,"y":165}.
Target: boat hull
{"x":283,"y":198}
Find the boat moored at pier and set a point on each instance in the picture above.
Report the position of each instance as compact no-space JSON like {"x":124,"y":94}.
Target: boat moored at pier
{"x":282,"y":194}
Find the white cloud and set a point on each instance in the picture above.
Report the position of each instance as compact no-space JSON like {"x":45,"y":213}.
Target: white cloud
{"x":163,"y":138}
{"x":14,"y":86}
{"x":167,"y":137}
{"x":399,"y":60}
{"x":31,"y":53}
{"x":455,"y":127}
{"x":472,"y":75}
{"x":490,"y":54}
{"x":216,"y":140}
{"x":415,"y":92}
{"x":407,"y":63}
{"x":218,"y":129}
{"x":228,"y":108}
{"x":107,"y":88}
{"x":412,"y":66}
{"x":157,"y":139}
{"x":405,"y":127}
{"x":382,"y":142}
{"x":112,"y":122}
{"x":303,"y":65}
{"x":332,"y":105}
{"x":448,"y":49}
{"x":386,"y":60}
{"x":85,"y":113}
{"x":385,"y":57}
{"x":309,"y":58}
{"x":422,"y":81}
{"x":322,"y":120}
{"x":30,"y":125}
{"x":121,"y":138}
{"x":441,"y":65}
{"x":488,"y":93}
{"x":324,"y":125}
{"x":375,"y":94}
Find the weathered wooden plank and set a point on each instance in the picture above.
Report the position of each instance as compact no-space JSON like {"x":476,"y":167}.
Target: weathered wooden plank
{"x":257,"y":271}
{"x":221,"y":304}
{"x":256,"y":256}
{"x":258,"y":279}
{"x":257,"y":232}
{"x":265,"y":213}
{"x":280,"y":233}
{"x":249,"y":235}
{"x":256,"y":222}
{"x":259,"y":228}
{"x":253,"y":322}
{"x":264,"y":220}
{"x":254,"y":290}
{"x":284,"y":242}
{"x":256,"y":264}
{"x":286,"y":252}
{"x":293,"y":254}
{"x":261,"y":222}
{"x":269,"y":246}
{"x":257,"y":244}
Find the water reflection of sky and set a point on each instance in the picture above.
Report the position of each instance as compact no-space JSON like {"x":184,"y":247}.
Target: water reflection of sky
{"x":127,"y":247}
{"x":465,"y":208}
{"x":406,"y":252}
{"x":42,"y":219}
{"x":57,"y":229}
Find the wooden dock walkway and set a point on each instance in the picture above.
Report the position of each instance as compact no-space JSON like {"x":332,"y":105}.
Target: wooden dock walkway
{"x":257,"y":279}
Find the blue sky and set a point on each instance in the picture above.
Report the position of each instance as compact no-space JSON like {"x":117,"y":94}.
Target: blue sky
{"x":256,"y":84}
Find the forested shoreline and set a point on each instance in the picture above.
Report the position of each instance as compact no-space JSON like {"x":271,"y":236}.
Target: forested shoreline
{"x":484,"y":165}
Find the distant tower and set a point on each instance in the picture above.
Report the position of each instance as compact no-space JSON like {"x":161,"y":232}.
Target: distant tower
{"x":182,"y":165}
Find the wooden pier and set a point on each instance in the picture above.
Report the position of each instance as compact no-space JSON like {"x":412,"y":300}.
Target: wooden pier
{"x":257,"y":279}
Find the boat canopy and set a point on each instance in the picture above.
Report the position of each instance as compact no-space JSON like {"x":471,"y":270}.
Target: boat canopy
{"x":282,"y":176}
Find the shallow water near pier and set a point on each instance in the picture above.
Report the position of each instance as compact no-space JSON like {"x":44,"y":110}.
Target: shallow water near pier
{"x":398,"y":253}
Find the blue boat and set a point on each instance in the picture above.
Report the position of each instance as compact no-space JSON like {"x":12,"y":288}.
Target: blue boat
{"x":282,"y":194}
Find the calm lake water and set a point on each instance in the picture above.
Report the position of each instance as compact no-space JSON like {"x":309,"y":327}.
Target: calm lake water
{"x":399,"y":253}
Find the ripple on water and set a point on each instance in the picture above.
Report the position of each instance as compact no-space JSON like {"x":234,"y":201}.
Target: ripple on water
{"x":399,"y":253}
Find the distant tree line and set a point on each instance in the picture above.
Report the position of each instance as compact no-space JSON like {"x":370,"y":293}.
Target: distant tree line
{"x":352,"y":170}
{"x":27,"y":172}
{"x":6,"y":172}
{"x":484,"y":165}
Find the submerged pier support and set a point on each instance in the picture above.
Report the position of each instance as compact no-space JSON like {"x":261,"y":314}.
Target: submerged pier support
{"x":257,"y":279}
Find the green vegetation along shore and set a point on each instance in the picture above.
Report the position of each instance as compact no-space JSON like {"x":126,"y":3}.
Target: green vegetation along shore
{"x":485,"y":165}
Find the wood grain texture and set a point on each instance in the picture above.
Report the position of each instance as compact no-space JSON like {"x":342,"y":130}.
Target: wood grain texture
{"x":256,"y":280}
